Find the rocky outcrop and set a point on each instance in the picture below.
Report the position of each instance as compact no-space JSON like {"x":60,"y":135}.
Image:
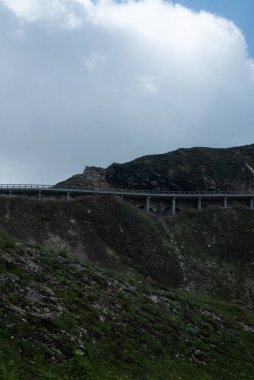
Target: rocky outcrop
{"x":92,"y":177}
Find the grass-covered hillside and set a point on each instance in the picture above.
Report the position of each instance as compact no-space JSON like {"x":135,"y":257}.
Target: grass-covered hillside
{"x":64,"y":319}
{"x":96,"y":289}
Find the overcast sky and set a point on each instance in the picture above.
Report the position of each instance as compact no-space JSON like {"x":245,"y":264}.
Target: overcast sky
{"x":91,"y":83}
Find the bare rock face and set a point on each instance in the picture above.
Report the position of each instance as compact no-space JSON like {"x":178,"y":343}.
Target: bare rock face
{"x":92,"y":177}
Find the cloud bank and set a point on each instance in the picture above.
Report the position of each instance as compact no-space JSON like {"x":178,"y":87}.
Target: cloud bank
{"x":85,"y":82}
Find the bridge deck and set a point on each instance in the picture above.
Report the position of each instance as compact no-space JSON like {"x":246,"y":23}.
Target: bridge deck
{"x":76,"y":191}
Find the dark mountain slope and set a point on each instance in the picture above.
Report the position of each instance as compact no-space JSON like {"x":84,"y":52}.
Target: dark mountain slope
{"x":183,"y":169}
{"x":188,"y":169}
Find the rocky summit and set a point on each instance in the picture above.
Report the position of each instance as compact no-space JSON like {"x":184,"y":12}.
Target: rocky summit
{"x":94,"y":288}
{"x":90,"y":178}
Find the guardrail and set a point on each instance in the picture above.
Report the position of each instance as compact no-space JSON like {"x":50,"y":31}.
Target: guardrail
{"x":117,"y":190}
{"x":25,"y":186}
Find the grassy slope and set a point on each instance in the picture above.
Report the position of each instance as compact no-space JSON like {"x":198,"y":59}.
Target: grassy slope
{"x":89,"y":299}
{"x":63,"y":319}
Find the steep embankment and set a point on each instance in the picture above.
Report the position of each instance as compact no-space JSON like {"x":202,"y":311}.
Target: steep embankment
{"x":216,"y":252}
{"x":64,"y":319}
{"x":209,"y":252}
{"x":103,"y":230}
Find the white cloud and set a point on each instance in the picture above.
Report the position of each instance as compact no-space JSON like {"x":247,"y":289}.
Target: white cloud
{"x":67,"y":13}
{"x":106,"y":81}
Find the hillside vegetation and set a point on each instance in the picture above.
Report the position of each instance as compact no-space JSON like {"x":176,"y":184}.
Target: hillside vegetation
{"x":63,"y":319}
{"x":208,"y":252}
{"x":96,"y":289}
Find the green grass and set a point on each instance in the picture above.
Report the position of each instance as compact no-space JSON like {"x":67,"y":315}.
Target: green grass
{"x":138,"y":339}
{"x":6,"y":241}
{"x":113,"y":320}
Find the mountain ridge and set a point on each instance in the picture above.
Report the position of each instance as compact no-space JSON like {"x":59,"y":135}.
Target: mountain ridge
{"x":185,"y":169}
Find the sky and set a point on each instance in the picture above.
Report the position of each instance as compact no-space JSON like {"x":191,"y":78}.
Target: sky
{"x":94,"y":82}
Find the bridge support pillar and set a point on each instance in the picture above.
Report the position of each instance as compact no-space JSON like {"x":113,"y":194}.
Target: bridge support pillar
{"x":10,"y":192}
{"x":39,"y":195}
{"x":251,"y":203}
{"x":67,"y":196}
{"x":199,"y":204}
{"x":147,"y":204}
{"x":173,"y":206}
{"x":225,"y":202}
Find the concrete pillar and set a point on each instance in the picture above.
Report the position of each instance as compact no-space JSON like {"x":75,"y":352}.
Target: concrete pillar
{"x":39,"y":195}
{"x":225,"y":202}
{"x":158,"y":208}
{"x":147,"y":205}
{"x":173,"y":206}
{"x":10,"y":192}
{"x":68,"y":196}
{"x":251,"y":203}
{"x":199,"y":204}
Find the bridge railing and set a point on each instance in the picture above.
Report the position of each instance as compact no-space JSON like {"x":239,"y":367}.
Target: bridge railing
{"x":117,"y":190}
{"x":25,"y":186}
{"x":121,"y":190}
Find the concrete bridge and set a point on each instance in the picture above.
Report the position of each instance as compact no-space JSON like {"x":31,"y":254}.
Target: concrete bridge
{"x":151,"y":201}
